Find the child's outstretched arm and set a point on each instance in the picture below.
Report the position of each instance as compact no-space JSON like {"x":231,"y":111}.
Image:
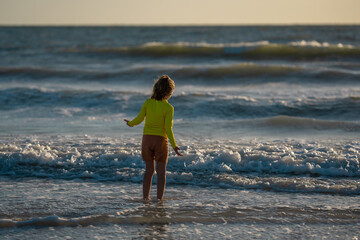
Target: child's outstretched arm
{"x":139,"y":118}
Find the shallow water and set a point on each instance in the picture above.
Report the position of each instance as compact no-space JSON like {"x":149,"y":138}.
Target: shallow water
{"x":81,"y":208}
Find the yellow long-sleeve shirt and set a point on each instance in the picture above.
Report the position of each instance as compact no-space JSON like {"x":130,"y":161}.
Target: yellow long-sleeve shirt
{"x":158,"y":117}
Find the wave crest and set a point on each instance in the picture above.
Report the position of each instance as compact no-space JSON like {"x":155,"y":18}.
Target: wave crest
{"x":254,"y":50}
{"x":245,"y":72}
{"x":96,"y":158}
{"x":288,"y":166}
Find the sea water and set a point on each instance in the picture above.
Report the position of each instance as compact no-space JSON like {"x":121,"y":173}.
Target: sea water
{"x":268,"y":120}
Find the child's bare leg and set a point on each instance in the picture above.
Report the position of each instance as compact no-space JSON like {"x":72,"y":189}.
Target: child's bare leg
{"x":149,"y":173}
{"x":161,"y":179}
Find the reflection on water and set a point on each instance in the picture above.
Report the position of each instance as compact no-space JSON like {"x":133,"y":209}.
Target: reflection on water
{"x":157,"y":221}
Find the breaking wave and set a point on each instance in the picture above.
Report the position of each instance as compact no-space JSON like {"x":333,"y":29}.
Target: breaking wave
{"x":253,"y":50}
{"x":110,"y":159}
{"x":309,"y":123}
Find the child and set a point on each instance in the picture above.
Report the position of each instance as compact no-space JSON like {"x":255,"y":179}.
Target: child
{"x":158,"y":114}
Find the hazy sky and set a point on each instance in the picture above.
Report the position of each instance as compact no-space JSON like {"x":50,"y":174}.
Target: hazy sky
{"x":90,"y":12}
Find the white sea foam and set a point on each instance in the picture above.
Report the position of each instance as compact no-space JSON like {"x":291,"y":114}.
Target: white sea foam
{"x":222,"y":164}
{"x":315,"y":43}
{"x":235,"y":45}
{"x":68,"y":112}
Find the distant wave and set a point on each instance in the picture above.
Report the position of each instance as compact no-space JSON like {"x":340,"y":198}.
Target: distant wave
{"x":203,"y":105}
{"x":253,"y":50}
{"x":235,"y":70}
{"x":235,"y":107}
{"x":213,"y":74}
{"x":276,"y":166}
{"x":283,"y":122}
{"x":256,"y":73}
{"x":40,"y":73}
{"x":35,"y":71}
{"x":14,"y":98}
{"x":301,"y":122}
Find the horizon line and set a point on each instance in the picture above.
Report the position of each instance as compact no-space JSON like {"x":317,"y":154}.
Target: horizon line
{"x":176,"y":25}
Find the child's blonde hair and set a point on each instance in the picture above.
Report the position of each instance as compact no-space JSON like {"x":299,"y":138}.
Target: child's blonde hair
{"x":163,"y":88}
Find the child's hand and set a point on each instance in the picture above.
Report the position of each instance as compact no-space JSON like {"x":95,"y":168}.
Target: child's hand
{"x":127,"y":122}
{"x":177,"y":149}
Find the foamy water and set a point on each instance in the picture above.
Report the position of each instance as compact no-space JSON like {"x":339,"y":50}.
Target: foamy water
{"x":289,"y":166}
{"x":267,"y":119}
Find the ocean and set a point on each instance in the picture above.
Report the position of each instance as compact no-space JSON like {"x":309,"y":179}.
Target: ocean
{"x":267,"y":117}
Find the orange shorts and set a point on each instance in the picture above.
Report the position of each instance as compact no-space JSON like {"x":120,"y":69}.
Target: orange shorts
{"x":154,"y":148}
